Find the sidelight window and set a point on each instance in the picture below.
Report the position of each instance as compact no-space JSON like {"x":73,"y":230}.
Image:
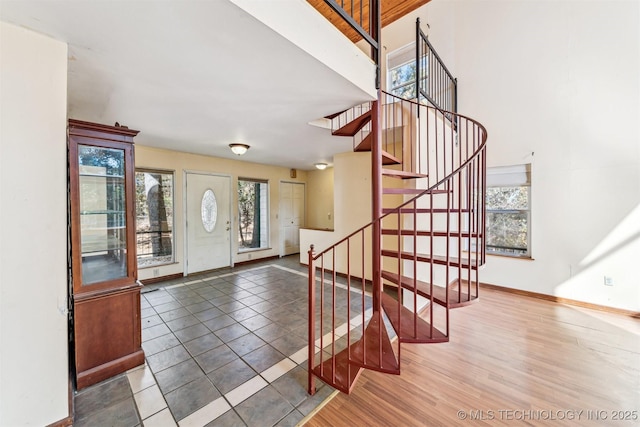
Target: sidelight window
{"x":154,"y":217}
{"x":253,"y":214}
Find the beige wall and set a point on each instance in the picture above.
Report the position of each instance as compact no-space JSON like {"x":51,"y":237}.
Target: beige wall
{"x":148,"y":157}
{"x":320,"y":212}
{"x":352,"y":208}
{"x":34,"y":371}
{"x":352,"y":202}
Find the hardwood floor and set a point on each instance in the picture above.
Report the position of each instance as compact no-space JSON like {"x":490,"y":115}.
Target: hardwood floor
{"x":512,"y":360}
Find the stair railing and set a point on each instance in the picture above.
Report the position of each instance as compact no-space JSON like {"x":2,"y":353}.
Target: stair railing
{"x":434,"y":238}
{"x":434,"y":82}
{"x":402,"y":126}
{"x":364,"y":18}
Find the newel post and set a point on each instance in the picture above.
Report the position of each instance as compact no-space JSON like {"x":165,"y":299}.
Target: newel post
{"x":312,"y":321}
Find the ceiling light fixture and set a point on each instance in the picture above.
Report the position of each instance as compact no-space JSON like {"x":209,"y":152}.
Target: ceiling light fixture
{"x":321,"y":166}
{"x":239,"y":149}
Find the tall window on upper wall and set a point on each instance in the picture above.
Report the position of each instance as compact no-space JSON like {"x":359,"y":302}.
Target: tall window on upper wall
{"x":401,"y":72}
{"x":508,"y":222}
{"x":154,"y":217}
{"x":253,"y":214}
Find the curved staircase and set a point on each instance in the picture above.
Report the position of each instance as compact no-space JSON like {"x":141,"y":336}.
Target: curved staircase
{"x":394,"y":280}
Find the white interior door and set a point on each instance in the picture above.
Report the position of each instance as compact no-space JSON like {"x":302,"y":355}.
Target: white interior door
{"x":208,"y":207}
{"x":291,"y":216}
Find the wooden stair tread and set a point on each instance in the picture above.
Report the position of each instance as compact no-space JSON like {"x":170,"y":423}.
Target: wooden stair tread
{"x":365,"y":352}
{"x":334,"y":115}
{"x":391,"y":190}
{"x":393,"y":232}
{"x":346,"y":373}
{"x":410,"y":328}
{"x":423,"y":210}
{"x":365,"y":144}
{"x":401,"y":191}
{"x":422,"y":288}
{"x":354,"y":126}
{"x":436,"y":259}
{"x":388,"y":159}
{"x":457,"y":298}
{"x":412,"y":191}
{"x":402,"y":174}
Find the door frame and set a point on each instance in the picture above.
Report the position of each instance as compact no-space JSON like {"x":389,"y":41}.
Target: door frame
{"x":185,"y":243}
{"x":282,"y":238}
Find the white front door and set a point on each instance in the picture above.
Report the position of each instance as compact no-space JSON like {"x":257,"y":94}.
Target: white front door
{"x":208,"y":213}
{"x":291,"y":216}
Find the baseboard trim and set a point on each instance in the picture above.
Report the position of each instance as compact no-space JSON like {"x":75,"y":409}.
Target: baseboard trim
{"x":162,"y":278}
{"x":180,"y":275}
{"x":568,"y":301}
{"x":110,"y":369}
{"x":253,"y":261}
{"x":65,"y":422}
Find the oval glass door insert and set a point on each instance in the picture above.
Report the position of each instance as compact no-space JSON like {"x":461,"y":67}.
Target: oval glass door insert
{"x":209,"y":210}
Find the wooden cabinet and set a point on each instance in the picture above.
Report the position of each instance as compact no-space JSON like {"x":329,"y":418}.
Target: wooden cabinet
{"x":104,"y":287}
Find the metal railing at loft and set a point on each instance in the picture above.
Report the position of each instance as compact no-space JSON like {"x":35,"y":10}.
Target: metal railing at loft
{"x":364,"y":17}
{"x":434,"y":81}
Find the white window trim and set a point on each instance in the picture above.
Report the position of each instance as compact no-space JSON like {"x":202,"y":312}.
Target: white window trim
{"x":407,"y":54}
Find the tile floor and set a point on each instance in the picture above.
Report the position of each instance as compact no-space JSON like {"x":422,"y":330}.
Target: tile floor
{"x":222,"y":349}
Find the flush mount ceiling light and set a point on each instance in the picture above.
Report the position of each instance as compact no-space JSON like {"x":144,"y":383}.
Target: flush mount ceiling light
{"x":239,"y":149}
{"x":321,"y":166}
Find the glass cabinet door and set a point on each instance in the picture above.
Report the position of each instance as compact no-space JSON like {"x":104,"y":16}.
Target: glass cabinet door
{"x":103,"y":220}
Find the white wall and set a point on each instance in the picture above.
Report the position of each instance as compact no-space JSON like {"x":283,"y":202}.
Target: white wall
{"x":325,"y":42}
{"x":557,"y":84}
{"x":33,"y":216}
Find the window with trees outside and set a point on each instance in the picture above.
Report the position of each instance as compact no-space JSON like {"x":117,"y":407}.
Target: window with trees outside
{"x":401,"y":71}
{"x":508,"y":204}
{"x":154,"y":217}
{"x":253,"y":214}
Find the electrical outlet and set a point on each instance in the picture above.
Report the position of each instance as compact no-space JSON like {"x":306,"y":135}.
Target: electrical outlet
{"x":156,"y":272}
{"x":608,"y":281}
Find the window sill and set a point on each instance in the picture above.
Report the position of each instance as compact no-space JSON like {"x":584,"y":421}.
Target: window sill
{"x":523,"y":258}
